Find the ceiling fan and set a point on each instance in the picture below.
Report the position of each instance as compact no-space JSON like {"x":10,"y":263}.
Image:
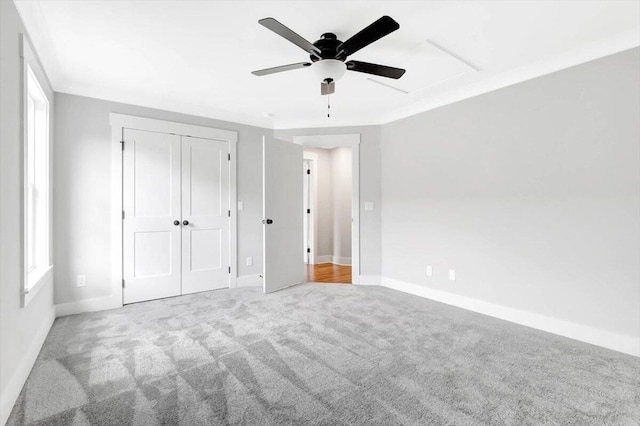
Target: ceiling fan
{"x":328,"y":55}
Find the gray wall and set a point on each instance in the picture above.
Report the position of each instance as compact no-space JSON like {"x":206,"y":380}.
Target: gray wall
{"x":532,"y":193}
{"x":82,"y":203}
{"x":341,"y":188}
{"x":22,"y":330}
{"x":370,"y":167}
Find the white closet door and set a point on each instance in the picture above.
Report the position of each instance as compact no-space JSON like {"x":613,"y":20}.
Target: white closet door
{"x":205,"y":211}
{"x":283,"y":228}
{"x":151,"y":200}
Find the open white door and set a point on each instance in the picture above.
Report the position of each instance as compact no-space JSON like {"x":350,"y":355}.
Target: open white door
{"x":282,"y":226}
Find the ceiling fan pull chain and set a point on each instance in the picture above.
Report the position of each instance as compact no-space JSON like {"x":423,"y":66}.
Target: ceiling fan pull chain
{"x":328,"y":106}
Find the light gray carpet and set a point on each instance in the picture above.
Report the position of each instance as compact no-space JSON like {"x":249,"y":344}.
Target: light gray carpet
{"x":319,"y":355}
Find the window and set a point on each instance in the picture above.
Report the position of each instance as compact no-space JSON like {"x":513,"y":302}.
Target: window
{"x":37,"y":262}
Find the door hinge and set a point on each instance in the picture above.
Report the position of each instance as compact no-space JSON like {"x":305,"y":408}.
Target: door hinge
{"x":308,"y":211}
{"x":123,"y":283}
{"x":308,"y":171}
{"x":229,"y":269}
{"x":308,"y":250}
{"x":229,"y":213}
{"x":122,"y":144}
{"x":122,"y":214}
{"x":229,"y":157}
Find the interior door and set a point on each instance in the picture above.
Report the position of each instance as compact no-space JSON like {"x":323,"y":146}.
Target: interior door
{"x":282,"y":229}
{"x":205,"y":214}
{"x":151,"y":221}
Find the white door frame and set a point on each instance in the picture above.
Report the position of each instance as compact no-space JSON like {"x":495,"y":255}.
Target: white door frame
{"x":118,"y":123}
{"x":352,"y":141}
{"x":312,"y":157}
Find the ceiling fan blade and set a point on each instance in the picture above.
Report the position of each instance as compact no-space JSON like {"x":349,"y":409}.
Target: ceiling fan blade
{"x":290,"y":35}
{"x":373,"y":32}
{"x":375,"y":69}
{"x":327,"y":87}
{"x":281,"y":68}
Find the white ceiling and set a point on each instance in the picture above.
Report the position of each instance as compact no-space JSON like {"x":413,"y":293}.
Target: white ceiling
{"x":196,"y":57}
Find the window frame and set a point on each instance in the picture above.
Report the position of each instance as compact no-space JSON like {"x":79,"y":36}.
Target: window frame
{"x":36,"y":175}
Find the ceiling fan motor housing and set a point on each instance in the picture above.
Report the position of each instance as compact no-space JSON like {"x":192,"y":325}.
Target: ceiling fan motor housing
{"x":328,"y":45}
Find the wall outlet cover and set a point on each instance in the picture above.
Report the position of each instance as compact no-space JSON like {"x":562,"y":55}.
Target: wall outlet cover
{"x":81,"y":281}
{"x":249,"y":261}
{"x":452,"y":274}
{"x":368,"y":206}
{"x":429,"y":271}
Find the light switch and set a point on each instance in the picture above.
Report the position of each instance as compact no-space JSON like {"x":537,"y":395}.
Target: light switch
{"x":240,"y":205}
{"x":368,"y":206}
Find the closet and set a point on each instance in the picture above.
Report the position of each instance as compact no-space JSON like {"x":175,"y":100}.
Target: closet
{"x":176,"y":215}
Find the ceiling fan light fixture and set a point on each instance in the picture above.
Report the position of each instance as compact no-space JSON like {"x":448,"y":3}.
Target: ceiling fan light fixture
{"x":329,"y":69}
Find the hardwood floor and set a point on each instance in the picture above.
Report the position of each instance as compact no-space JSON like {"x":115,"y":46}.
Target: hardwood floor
{"x":329,"y":273}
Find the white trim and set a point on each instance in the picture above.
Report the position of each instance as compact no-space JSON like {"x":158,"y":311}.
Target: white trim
{"x":116,"y":214}
{"x":88,"y":305}
{"x":20,"y":374}
{"x":369,"y":280}
{"x":607,"y":339}
{"x":325,"y":258}
{"x":353,"y":141}
{"x":342,"y":261}
{"x":163,"y":126}
{"x":250,"y":281}
{"x":30,"y":62}
{"x":119,"y":122}
{"x":233,"y":206}
{"x":313,"y":241}
{"x":45,"y":278}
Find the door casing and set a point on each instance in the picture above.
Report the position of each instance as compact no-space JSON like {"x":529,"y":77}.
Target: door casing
{"x":119,"y":122}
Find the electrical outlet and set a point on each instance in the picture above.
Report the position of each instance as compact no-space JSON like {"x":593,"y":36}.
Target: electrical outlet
{"x":429,"y":271}
{"x":249,"y":261}
{"x":452,"y":274}
{"x":240,"y":206}
{"x":81,"y":281}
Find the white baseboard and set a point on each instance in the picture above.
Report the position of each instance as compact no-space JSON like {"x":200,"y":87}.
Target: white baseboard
{"x":327,"y":258}
{"x":88,"y":305}
{"x":21,"y":373}
{"x":369,"y":280}
{"x":607,"y":339}
{"x":343,"y":261}
{"x":249,"y":281}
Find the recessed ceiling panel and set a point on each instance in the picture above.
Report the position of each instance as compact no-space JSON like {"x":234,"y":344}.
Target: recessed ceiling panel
{"x":427,"y":64}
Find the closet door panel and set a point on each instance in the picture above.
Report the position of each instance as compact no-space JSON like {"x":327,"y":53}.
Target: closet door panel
{"x":205,"y":210}
{"x":151,"y":203}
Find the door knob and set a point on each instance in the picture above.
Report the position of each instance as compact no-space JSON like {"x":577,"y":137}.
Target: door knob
{"x":176,"y":222}
{"x":185,"y":223}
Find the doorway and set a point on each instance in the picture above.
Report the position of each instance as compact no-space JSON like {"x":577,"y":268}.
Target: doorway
{"x":327,"y":210}
{"x":331,"y":207}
